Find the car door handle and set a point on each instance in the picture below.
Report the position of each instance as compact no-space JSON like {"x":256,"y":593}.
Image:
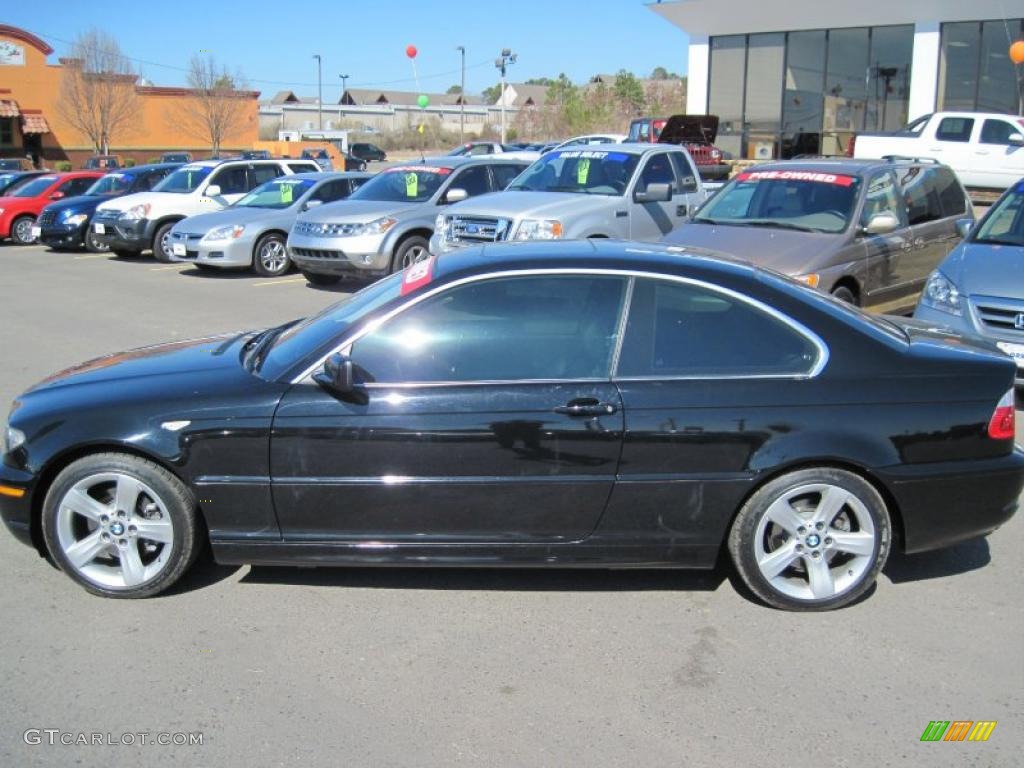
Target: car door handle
{"x":587,"y":406}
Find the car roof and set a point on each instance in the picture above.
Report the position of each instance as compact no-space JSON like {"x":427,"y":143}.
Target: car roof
{"x":594,"y":254}
{"x":622,"y":148}
{"x":845,"y":165}
{"x":325,"y":175}
{"x":456,"y":161}
{"x":148,"y":167}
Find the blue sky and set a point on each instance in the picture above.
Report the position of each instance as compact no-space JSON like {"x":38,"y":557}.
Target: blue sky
{"x":273,"y":42}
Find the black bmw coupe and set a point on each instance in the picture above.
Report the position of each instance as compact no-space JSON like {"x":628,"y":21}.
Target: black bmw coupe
{"x":577,"y":404}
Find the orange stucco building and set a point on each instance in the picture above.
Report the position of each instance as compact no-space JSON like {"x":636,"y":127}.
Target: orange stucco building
{"x":30,"y":123}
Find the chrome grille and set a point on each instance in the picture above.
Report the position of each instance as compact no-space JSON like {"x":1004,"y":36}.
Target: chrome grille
{"x":106,"y":215}
{"x":476,"y":229}
{"x":325,"y":229}
{"x":1006,"y":315}
{"x":316,"y":253}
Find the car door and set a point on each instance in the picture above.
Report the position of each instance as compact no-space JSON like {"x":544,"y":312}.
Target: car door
{"x":233,"y":182}
{"x":475,"y":180}
{"x":886,"y":274}
{"x":689,"y":199}
{"x":707,"y":379}
{"x":504,"y":173}
{"x":952,"y":146}
{"x":73,"y":187}
{"x":930,"y":230}
{"x":486,"y":414}
{"x":997,"y":162}
{"x":652,"y":221}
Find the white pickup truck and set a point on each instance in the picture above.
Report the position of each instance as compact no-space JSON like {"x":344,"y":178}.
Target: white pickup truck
{"x":986,"y":150}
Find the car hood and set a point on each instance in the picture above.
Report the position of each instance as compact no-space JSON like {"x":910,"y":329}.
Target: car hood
{"x":681,"y":129}
{"x":155,"y":199}
{"x":176,"y":358}
{"x":358,"y":211}
{"x":784,"y":250}
{"x":535,"y":205}
{"x":986,"y":270}
{"x":80,"y":204}
{"x":204,"y":222}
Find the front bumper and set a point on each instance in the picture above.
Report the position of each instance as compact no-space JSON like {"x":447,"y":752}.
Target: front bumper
{"x":228,"y":253}
{"x":17,"y":512}
{"x":123,"y":235}
{"x":361,"y":255}
{"x":945,"y":503}
{"x":1011,"y":342}
{"x":64,"y":236}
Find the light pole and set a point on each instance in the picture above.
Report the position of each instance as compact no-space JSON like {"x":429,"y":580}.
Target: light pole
{"x":507,"y":57}
{"x":319,"y":91}
{"x":344,"y":84}
{"x":462,"y":95}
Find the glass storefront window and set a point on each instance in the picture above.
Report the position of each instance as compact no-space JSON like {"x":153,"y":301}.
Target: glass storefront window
{"x":975,"y":72}
{"x":803,"y":101}
{"x":728,"y":69}
{"x":845,"y":87}
{"x":997,"y":81}
{"x":892,"y":50}
{"x":763,"y":105}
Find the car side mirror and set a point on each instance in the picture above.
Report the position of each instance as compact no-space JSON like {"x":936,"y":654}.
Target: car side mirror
{"x":312,"y":204}
{"x":56,"y":195}
{"x":882,"y":224}
{"x":689,"y":184}
{"x":655,"y":193}
{"x":213,"y":190}
{"x":456,"y":195}
{"x":964,"y":227}
{"x":1015,"y":139}
{"x":338,"y":375}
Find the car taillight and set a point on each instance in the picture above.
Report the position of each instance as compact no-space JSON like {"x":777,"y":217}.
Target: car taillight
{"x":1002,"y":424}
{"x":851,"y":145}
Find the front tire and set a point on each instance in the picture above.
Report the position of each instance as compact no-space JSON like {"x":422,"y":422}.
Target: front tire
{"x":119,"y":525}
{"x":317,"y":278}
{"x":811,"y":540}
{"x":21,"y":230}
{"x":270,"y":257}
{"x":93,"y":245}
{"x":845,"y":294}
{"x":162,"y":243}
{"x":408,"y":252}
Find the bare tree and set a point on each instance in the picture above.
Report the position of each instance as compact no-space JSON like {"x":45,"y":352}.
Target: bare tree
{"x":217,"y":108}
{"x":97,"y":90}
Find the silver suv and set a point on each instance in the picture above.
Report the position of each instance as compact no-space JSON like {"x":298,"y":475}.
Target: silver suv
{"x":624,"y":191}
{"x":385,"y":225}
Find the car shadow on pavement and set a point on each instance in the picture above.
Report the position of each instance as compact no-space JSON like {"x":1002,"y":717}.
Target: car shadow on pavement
{"x":205,"y":572}
{"x":492,"y":579}
{"x":967,"y":556}
{"x":219,"y":273}
{"x":343,"y":286}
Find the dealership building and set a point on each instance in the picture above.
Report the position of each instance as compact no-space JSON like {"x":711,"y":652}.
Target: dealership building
{"x":803,"y":76}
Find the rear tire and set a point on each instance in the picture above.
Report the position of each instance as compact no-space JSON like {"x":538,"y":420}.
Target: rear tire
{"x":316,"y":278}
{"x":162,"y":243}
{"x":811,"y":540}
{"x":21,"y":230}
{"x":120,"y":525}
{"x":270,"y":256}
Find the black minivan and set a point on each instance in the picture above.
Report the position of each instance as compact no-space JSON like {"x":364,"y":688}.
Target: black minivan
{"x":366,"y":151}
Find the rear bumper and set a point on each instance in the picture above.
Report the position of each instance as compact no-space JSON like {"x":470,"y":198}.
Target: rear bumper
{"x":714,"y":171}
{"x":946,"y":503}
{"x":17,"y":512}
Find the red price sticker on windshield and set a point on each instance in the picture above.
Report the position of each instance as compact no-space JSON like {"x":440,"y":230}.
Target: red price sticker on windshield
{"x":417,"y":275}
{"x":821,"y":178}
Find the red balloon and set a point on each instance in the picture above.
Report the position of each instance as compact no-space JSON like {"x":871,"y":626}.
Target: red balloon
{"x":410,"y":51}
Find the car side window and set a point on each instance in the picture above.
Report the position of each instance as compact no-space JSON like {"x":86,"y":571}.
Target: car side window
{"x":298,"y":168}
{"x":232,"y":181}
{"x":148,"y":181}
{"x":542,"y":327}
{"x":657,"y":170}
{"x":332,"y":190}
{"x":882,"y":196}
{"x":75,"y":187}
{"x":474,"y":180}
{"x":504,"y":174}
{"x":481,"y":149}
{"x":921,"y":194}
{"x":682,"y":330}
{"x":955,"y":129}
{"x":261,"y":174}
{"x":686,"y":175}
{"x":951,"y":195}
{"x":998,"y":132}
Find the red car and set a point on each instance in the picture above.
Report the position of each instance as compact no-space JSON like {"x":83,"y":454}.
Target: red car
{"x":695,"y":132}
{"x":18,"y":211}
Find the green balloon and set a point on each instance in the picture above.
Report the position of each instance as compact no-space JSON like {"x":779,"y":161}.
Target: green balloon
{"x":423,"y":100}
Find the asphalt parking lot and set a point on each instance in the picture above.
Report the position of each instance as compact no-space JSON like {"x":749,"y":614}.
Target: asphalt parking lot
{"x":287,"y":666}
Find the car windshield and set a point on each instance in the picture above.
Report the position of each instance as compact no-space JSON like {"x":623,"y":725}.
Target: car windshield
{"x":585,"y":171}
{"x":277,"y":193}
{"x":34,"y":188}
{"x":112,"y":184}
{"x":316,"y":335}
{"x":809,"y":201}
{"x":1004,"y":224}
{"x":405,"y":184}
{"x":184,"y":180}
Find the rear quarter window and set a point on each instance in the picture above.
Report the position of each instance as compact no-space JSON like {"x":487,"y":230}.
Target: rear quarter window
{"x":921,"y":194}
{"x":954,"y":129}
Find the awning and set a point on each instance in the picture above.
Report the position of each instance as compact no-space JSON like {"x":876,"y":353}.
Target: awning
{"x":34,"y":124}
{"x":9,"y":108}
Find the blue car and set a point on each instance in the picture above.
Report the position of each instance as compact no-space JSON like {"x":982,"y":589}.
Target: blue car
{"x":65,"y":224}
{"x":979,"y":288}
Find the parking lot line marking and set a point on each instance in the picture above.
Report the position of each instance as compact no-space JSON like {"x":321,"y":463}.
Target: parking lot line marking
{"x":94,"y":256}
{"x":162,"y":269}
{"x":280,"y":282}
